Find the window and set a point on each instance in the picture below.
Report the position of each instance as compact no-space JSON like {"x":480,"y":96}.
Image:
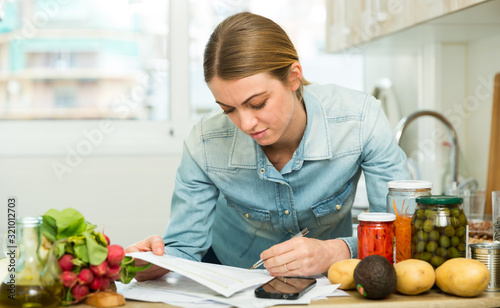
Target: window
{"x":59,"y":59}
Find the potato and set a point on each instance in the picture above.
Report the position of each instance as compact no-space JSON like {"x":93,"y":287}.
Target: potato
{"x":463,"y":277}
{"x":343,"y":272}
{"x":414,"y":276}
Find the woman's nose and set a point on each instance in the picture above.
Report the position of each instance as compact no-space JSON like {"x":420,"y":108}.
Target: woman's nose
{"x":248,"y":121}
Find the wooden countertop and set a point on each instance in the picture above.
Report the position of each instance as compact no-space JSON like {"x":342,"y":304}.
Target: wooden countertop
{"x":432,"y":298}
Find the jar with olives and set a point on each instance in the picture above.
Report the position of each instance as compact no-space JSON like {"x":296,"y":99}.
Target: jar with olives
{"x":439,"y":229}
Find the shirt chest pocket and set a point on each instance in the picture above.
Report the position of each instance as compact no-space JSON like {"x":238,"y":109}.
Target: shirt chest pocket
{"x":332,"y":210}
{"x":256,"y":218}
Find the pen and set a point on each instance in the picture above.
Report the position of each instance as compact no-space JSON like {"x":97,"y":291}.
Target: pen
{"x":301,"y":233}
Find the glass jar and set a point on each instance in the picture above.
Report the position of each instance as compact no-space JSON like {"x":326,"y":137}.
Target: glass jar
{"x":401,"y":201}
{"x":376,"y":235}
{"x":439,"y":229}
{"x":29,"y":283}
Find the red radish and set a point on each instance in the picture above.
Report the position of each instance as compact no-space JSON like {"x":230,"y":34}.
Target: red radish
{"x":116,"y":254}
{"x":66,"y":262}
{"x":100,"y":269}
{"x":68,"y":278}
{"x":105,"y":284}
{"x":96,"y":283}
{"x":113,"y":271}
{"x":80,"y":292}
{"x":85,"y":277}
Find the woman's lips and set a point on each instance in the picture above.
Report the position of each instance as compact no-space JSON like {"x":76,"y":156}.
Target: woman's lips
{"x":258,"y":135}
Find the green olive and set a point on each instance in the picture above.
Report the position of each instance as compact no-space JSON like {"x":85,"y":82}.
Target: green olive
{"x":461,"y":247}
{"x":460,"y":231}
{"x":425,"y":256}
{"x":455,"y":212}
{"x":420,"y":247}
{"x":437,"y":261}
{"x":418,"y":224}
{"x":449,"y":231}
{"x":431,"y":246}
{"x":462,"y":219}
{"x":455,"y":222}
{"x":428,"y":225}
{"x":444,"y":212}
{"x":429,"y":214}
{"x":434,"y":235}
{"x":444,"y":241}
{"x":414,"y":239}
{"x":453,"y":252}
{"x":422,"y":235}
{"x":454,"y":241}
{"x":442,"y":252}
{"x":420,"y":214}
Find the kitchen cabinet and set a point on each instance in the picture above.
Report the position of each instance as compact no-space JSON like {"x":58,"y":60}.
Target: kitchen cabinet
{"x":351,"y":23}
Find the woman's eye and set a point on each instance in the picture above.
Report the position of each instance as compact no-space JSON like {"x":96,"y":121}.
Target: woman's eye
{"x":261,"y":105}
{"x":226,"y":111}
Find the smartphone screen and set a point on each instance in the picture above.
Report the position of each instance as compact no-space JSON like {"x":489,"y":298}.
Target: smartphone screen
{"x":285,"y":287}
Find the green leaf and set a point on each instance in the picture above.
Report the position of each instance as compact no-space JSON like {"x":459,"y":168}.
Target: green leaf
{"x":70,"y":222}
{"x":49,"y":228}
{"x":97,"y":252}
{"x":82,"y":253}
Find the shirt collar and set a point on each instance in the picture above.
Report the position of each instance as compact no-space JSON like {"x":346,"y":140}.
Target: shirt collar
{"x":315,"y":144}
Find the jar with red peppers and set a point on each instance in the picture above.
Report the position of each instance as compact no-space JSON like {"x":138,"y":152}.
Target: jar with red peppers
{"x":376,"y":235}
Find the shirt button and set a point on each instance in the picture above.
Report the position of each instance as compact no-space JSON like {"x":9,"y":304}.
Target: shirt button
{"x":247,"y":215}
{"x":287,"y":212}
{"x":338,"y":207}
{"x":262,"y":170}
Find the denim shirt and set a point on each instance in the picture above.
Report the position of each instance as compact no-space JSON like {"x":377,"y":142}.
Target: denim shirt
{"x":229,"y":196}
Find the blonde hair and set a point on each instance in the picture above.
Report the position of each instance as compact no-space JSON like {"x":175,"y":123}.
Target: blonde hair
{"x":246,"y":44}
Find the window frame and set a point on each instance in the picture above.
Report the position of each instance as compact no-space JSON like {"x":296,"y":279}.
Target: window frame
{"x":35,"y":138}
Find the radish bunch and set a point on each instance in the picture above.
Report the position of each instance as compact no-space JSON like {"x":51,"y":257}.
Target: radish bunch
{"x":79,"y":281}
{"x":87,"y":261}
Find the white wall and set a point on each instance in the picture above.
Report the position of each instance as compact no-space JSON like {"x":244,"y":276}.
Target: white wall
{"x":128,"y":195}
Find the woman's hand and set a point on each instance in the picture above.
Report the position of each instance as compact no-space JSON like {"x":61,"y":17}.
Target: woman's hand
{"x":155,"y":244}
{"x":304,"y":256}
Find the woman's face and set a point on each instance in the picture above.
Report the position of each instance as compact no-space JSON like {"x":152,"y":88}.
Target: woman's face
{"x":261,"y":106}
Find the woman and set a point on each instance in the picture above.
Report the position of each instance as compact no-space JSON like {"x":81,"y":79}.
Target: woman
{"x":282,"y":155}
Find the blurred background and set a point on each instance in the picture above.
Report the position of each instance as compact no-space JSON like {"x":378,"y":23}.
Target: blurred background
{"x":96,"y":97}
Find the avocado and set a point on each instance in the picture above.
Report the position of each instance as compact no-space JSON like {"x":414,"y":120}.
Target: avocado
{"x":375,"y":277}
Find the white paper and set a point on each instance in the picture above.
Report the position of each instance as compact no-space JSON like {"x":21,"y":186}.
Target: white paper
{"x":223,"y":279}
{"x":181,"y":291}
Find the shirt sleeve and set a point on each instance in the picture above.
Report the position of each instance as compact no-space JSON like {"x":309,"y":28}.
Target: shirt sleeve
{"x":189,"y":232}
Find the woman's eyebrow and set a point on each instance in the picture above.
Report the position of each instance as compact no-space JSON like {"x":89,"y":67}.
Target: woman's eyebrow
{"x":245,"y":101}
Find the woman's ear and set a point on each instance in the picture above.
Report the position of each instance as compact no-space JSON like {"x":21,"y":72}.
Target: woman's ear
{"x":295,"y":76}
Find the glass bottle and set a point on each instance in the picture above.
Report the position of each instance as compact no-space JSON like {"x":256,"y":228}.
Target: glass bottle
{"x":376,"y":235}
{"x":30,"y":281}
{"x":401,"y":201}
{"x":439,"y":229}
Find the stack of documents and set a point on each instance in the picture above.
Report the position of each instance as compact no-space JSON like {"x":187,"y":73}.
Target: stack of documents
{"x":198,"y":284}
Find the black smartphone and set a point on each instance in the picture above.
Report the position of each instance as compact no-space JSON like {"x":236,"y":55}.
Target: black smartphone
{"x":285,"y":287}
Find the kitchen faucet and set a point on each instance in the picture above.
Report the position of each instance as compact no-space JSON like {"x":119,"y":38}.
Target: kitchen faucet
{"x":403,"y":123}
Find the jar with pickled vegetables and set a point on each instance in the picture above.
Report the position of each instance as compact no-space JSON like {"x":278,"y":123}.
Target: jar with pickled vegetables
{"x":439,"y":229}
{"x":376,"y":235}
{"x":401,"y":201}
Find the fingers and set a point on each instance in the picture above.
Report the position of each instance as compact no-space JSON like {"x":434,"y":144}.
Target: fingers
{"x":153,"y":243}
{"x":156,"y":244}
{"x":281,"y":259}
